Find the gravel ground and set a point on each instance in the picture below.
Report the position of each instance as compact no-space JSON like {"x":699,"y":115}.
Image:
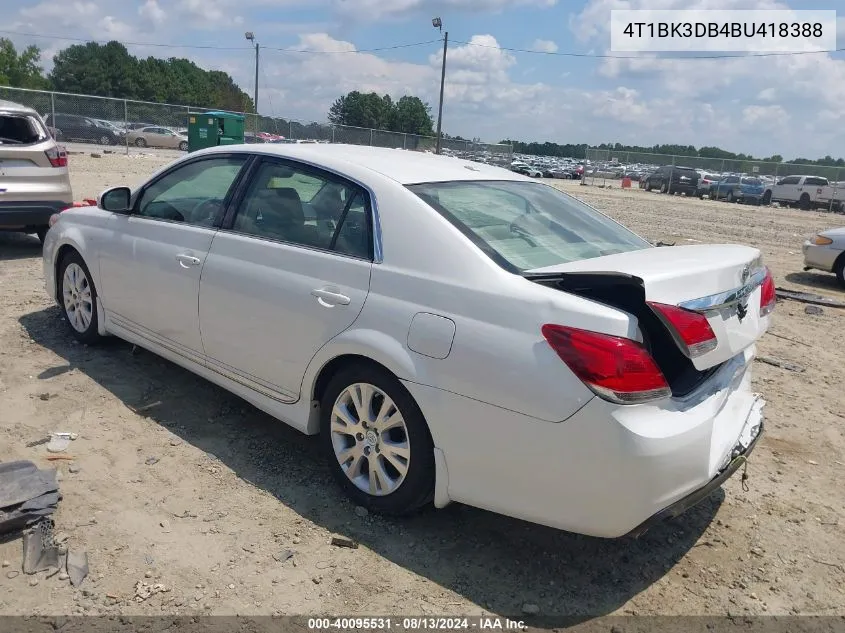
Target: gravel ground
{"x":203,"y":495}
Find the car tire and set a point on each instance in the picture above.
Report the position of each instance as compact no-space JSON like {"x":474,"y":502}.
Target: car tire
{"x":105,"y":140}
{"x":663,"y":188}
{"x":839,"y":269}
{"x":183,"y":146}
{"x":767,"y":198}
{"x":139,"y":142}
{"x":78,"y":297}
{"x":804,"y":202}
{"x":364,"y":445}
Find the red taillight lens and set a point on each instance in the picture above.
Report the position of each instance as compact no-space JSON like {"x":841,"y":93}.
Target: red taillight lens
{"x":689,"y":328}
{"x":768,"y":297}
{"x":57,"y":156}
{"x":617,"y":369}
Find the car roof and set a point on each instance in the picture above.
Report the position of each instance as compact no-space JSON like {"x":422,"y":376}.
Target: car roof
{"x":11,"y":106}
{"x":404,"y":166}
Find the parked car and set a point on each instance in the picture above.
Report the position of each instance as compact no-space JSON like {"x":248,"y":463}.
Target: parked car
{"x":704,"y":181}
{"x":738,"y":189}
{"x":575,"y":344}
{"x":803,"y":191}
{"x":34,"y":180}
{"x":157,"y":137}
{"x":73,"y":127}
{"x":669,"y":179}
{"x":826,"y":251}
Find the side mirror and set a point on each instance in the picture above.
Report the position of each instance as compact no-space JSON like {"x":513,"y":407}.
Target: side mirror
{"x":115,"y":199}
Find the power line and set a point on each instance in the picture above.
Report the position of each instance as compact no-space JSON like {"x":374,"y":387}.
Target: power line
{"x":639,"y":56}
{"x":221,"y":48}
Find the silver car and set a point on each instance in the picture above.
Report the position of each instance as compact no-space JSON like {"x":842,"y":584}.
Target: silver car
{"x":826,"y":251}
{"x":34,"y":180}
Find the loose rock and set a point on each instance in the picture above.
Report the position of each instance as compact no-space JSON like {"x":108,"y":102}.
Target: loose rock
{"x":6,"y":563}
{"x":361,"y":511}
{"x":33,"y":582}
{"x":73,"y":469}
{"x":150,"y":461}
{"x":12,"y":574}
{"x":344,"y":541}
{"x":530,"y":609}
{"x":815,"y":310}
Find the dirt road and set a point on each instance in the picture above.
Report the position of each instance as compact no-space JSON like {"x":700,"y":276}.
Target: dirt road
{"x":204,"y":495}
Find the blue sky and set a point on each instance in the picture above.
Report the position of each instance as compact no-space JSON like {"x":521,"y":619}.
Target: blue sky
{"x":790,"y":105}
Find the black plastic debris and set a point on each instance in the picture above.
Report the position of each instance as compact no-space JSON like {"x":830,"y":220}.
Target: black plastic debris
{"x":27,"y":495}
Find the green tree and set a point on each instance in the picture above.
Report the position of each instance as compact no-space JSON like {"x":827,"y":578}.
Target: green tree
{"x":369,"y":110}
{"x":20,"y":70}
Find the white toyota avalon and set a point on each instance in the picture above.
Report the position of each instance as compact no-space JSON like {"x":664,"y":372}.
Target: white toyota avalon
{"x":453,"y":331}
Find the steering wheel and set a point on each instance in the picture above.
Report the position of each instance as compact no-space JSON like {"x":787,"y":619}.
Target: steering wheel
{"x":205,"y":212}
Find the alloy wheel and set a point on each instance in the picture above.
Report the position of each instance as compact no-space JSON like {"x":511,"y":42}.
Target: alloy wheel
{"x":78,"y":299}
{"x":370,"y":439}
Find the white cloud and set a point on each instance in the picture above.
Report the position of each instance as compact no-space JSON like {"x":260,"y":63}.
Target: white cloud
{"x":151,"y":11}
{"x":767,"y":94}
{"x":375,"y":9}
{"x":544,"y":46}
{"x":772,"y":116}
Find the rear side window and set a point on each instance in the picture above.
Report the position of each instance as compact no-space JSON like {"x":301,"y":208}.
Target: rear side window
{"x":21,"y":129}
{"x":524,"y":225}
{"x":817,"y":182}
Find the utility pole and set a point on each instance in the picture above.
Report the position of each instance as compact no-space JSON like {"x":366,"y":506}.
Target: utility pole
{"x":251,"y":37}
{"x":438,"y":23}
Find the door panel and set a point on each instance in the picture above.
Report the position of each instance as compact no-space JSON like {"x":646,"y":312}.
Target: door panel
{"x":284,"y":281}
{"x":150,"y":265}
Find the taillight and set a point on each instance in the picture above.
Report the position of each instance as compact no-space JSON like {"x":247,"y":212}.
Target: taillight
{"x":57,"y":156}
{"x":615,"y":368}
{"x":768,"y":297}
{"x":689,"y":328}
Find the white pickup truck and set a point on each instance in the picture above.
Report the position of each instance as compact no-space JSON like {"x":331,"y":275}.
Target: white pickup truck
{"x":807,"y":192}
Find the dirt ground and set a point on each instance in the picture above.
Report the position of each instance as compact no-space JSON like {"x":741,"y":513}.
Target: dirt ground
{"x":203,"y":494}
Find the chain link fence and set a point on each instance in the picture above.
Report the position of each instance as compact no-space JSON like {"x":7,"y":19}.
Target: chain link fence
{"x":108,"y":121}
{"x":608,"y":164}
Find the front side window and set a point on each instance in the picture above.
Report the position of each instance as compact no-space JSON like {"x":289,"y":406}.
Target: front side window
{"x":524,"y":225}
{"x":192,"y":193}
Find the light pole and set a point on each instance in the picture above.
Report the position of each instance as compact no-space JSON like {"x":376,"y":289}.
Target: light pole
{"x":251,"y":37}
{"x":438,"y":24}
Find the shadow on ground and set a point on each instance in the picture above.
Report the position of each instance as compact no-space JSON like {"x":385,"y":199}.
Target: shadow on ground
{"x":491,"y":560}
{"x":817,"y":280}
{"x":18,"y":246}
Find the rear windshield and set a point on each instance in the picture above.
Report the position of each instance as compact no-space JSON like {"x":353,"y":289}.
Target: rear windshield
{"x":526,"y":225}
{"x":752,"y":181}
{"x":21,"y":129}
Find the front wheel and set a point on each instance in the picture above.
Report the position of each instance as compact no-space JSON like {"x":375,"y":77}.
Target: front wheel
{"x":839,"y":269}
{"x":767,"y":197}
{"x":139,"y":142}
{"x":804,"y":202}
{"x":105,"y":140}
{"x":78,"y":297}
{"x":183,"y":146}
{"x":377,"y":441}
{"x":664,"y":188}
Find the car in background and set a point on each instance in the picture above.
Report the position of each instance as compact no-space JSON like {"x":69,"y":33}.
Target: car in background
{"x":803,"y":191}
{"x":73,"y":127}
{"x":746,"y":189}
{"x":826,"y":251}
{"x":583,"y":347}
{"x":119,"y":129}
{"x":34,"y":179}
{"x":704,"y":181}
{"x":672,"y":179}
{"x":156,"y":136}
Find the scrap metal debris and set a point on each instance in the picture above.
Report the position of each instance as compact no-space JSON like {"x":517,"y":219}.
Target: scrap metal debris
{"x":40,"y":551}
{"x":77,"y":566}
{"x":27,"y":494}
{"x":806,"y":297}
{"x":783,"y":364}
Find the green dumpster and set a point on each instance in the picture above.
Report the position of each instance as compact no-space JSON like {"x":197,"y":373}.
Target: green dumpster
{"x":210,"y":129}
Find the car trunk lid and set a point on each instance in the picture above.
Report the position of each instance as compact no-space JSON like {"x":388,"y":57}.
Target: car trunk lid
{"x":721,"y":282}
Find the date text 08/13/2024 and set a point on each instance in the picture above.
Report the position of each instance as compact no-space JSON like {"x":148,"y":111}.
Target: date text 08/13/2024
{"x":415,"y":624}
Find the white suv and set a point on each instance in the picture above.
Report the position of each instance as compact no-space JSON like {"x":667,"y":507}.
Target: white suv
{"x":34,"y":180}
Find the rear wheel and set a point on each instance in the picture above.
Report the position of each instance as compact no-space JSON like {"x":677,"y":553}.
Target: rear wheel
{"x":183,"y":146}
{"x":78,"y":297}
{"x":377,"y":441}
{"x":767,"y":197}
{"x":804,"y":201}
{"x":663,"y":188}
{"x":140,"y":142}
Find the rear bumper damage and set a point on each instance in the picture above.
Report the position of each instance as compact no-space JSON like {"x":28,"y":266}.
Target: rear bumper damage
{"x":738,"y":457}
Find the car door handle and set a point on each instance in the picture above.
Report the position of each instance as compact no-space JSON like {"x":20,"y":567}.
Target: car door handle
{"x":328,"y":298}
{"x":186,"y":261}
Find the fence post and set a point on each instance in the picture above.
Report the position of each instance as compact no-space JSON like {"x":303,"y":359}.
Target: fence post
{"x":290,"y":130}
{"x":332,"y":134}
{"x":371,"y":137}
{"x":126,"y":125}
{"x":53,"y":109}
{"x":404,"y":140}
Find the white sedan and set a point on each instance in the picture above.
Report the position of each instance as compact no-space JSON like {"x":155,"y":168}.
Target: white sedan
{"x":453,"y":331}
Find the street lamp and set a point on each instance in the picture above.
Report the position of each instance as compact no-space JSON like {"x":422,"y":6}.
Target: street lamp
{"x":250,"y":36}
{"x":438,"y":24}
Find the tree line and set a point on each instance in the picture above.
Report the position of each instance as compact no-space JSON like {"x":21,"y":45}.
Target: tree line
{"x":109,"y":70}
